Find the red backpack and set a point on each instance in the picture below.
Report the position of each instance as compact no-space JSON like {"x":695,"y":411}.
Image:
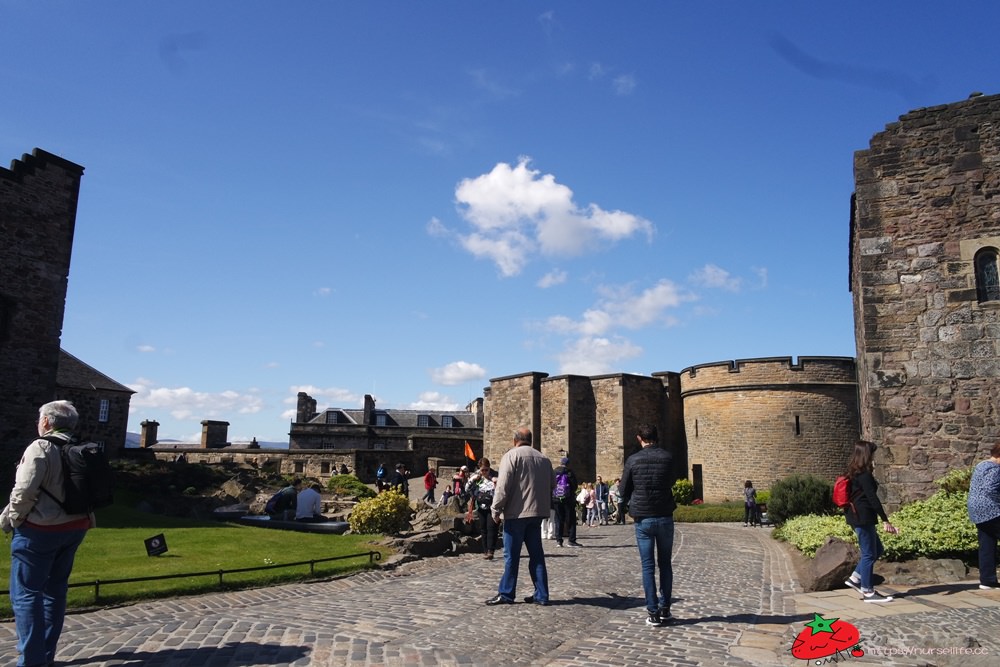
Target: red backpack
{"x":842,"y":492}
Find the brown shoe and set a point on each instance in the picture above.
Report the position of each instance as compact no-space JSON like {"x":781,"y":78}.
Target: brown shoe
{"x":488,"y":556}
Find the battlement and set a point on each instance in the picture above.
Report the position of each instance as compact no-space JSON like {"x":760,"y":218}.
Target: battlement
{"x":767,"y":373}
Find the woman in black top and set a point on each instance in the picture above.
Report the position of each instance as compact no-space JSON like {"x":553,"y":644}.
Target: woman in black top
{"x":863,"y":514}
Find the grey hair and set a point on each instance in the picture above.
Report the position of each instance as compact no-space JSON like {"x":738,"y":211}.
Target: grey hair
{"x":61,"y":415}
{"x":523,"y":434}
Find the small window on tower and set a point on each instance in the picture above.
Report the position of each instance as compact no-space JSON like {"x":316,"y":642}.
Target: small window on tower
{"x":987,"y":275}
{"x":102,"y":413}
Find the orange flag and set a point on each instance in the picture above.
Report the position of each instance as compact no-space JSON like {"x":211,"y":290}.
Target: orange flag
{"x":469,"y":453}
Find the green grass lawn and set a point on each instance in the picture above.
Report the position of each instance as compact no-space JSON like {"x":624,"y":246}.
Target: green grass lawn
{"x":116,"y":550}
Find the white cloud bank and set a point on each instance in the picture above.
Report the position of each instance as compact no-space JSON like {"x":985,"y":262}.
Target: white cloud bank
{"x":186,"y":404}
{"x":457,"y":372}
{"x":516,"y":212}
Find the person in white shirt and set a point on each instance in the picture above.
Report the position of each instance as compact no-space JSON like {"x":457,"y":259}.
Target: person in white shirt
{"x":309,"y":504}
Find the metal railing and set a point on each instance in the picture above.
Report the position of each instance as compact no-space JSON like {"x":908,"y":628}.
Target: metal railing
{"x":373,"y":556}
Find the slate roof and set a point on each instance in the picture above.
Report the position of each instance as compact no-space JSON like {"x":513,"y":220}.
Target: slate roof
{"x":74,"y":374}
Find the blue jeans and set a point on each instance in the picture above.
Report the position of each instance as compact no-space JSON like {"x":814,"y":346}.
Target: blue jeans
{"x":988,"y":533}
{"x":527,"y":532}
{"x":656,"y":534}
{"x":871,"y":550}
{"x":40,"y":563}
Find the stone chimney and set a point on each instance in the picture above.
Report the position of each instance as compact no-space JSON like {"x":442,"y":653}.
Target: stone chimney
{"x":305,"y":409}
{"x":214,"y":434}
{"x":369,"y":417}
{"x":147,"y":437}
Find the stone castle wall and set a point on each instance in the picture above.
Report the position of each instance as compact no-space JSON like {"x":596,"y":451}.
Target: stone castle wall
{"x":927,"y":199}
{"x":38,"y":200}
{"x":764,"y":419}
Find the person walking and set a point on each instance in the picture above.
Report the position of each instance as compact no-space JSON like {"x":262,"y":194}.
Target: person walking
{"x":750,"y":517}
{"x":430,"y":483}
{"x":45,"y":537}
{"x":601,"y":499}
{"x":984,"y":511}
{"x":523,"y":497}
{"x":646,"y":486}
{"x":863,"y":514}
{"x":564,"y":503}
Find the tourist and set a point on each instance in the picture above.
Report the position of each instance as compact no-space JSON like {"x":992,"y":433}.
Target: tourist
{"x":309,"y":504}
{"x":863,"y":514}
{"x":481,"y":489}
{"x":601,"y":500}
{"x":564,"y":503}
{"x":749,"y":505}
{"x":283,"y":504}
{"x":646,"y":488}
{"x":984,"y":511}
{"x":522,"y":498}
{"x":45,"y":537}
{"x":398,"y":481}
{"x":430,"y":483}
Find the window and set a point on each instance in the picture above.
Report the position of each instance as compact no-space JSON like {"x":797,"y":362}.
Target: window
{"x":331,"y":417}
{"x":798,"y":426}
{"x":380,"y":419}
{"x":324,"y":468}
{"x":987,"y":276}
{"x":423,"y":420}
{"x":102,"y":413}
{"x":300,"y":466}
{"x":447,"y":421}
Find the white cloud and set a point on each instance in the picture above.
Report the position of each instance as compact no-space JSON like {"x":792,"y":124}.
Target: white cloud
{"x":596,"y":355}
{"x":598,"y":71}
{"x":436,"y":228}
{"x":624,"y":84}
{"x":323,"y":291}
{"x":326,"y":397}
{"x":434,"y":401}
{"x":457,"y":372}
{"x":516,"y":212}
{"x":552,"y":278}
{"x":711,"y":275}
{"x":620,"y":308}
{"x":496,"y":89}
{"x":184,"y":403}
{"x":146,"y":348}
{"x":761,"y":273}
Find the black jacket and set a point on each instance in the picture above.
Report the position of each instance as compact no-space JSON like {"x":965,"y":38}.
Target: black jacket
{"x":647,"y":483}
{"x":865,"y":508}
{"x":571,"y":495}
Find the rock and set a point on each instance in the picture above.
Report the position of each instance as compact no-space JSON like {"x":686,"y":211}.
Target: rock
{"x":834,"y":562}
{"x":923,"y":571}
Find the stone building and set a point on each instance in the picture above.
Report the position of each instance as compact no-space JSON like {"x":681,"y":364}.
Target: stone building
{"x":38,"y":198}
{"x":925,"y":238}
{"x":102,"y":403}
{"x":725,"y":422}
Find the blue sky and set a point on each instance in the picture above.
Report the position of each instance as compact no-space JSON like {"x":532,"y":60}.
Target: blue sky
{"x":408,"y":199}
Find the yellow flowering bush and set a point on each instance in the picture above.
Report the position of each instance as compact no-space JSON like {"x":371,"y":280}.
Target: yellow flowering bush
{"x":388,"y":512}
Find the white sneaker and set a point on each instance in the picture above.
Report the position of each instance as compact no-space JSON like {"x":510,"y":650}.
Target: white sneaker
{"x":853,"y":583}
{"x":875,"y":596}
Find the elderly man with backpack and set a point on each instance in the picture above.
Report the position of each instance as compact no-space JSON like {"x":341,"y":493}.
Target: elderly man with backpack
{"x":46,"y":536}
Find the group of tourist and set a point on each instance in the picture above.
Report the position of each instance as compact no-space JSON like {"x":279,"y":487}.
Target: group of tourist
{"x":297,"y":503}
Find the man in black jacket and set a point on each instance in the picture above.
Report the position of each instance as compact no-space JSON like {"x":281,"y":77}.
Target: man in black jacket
{"x":647,"y":489}
{"x":564,"y":503}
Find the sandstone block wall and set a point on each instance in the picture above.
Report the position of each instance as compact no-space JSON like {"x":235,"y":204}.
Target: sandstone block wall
{"x":511,"y":402}
{"x":927,"y":198}
{"x":764,"y":419}
{"x":38,"y":200}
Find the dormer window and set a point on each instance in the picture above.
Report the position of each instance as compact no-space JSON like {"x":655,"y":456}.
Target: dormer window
{"x":380,"y":419}
{"x":331,"y":417}
{"x":423,"y":420}
{"x":447,"y":421}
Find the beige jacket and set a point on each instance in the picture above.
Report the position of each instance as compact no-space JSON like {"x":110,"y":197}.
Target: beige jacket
{"x":525,"y":484}
{"x":40,"y":466}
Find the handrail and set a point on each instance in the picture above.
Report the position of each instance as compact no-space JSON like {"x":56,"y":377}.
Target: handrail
{"x":373,"y":556}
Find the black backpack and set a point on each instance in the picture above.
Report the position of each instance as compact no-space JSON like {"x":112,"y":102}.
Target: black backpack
{"x":88,"y":479}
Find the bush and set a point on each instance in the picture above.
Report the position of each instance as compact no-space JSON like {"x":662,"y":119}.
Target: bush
{"x":957,"y":481}
{"x":938,"y":527}
{"x":712,"y":513}
{"x":349,"y":485}
{"x":799,"y":495}
{"x":807,"y":533}
{"x":388,"y":513}
{"x":763,"y":497}
{"x":683,"y":492}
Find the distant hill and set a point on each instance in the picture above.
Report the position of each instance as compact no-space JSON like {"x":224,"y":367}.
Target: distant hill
{"x":132,"y":440}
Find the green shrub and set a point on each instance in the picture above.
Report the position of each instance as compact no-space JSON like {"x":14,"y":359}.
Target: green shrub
{"x":938,"y":527}
{"x":799,"y":495}
{"x":388,"y":513}
{"x":807,"y":533}
{"x":714,"y":513}
{"x":956,"y":481}
{"x":683,"y":492}
{"x":349,"y":485}
{"x":763,"y":497}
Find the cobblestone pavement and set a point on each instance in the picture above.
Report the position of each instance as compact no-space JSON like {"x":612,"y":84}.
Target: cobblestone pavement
{"x":735,"y":601}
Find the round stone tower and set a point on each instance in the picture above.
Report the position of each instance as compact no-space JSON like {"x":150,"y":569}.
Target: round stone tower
{"x":764,"y":419}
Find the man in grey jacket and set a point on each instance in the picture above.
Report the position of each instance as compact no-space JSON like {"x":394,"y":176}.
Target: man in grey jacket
{"x":523,"y":497}
{"x":45,"y":538}
{"x":647,"y":488}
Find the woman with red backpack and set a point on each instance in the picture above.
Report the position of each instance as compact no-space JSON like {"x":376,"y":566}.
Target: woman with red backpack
{"x":863,"y":513}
